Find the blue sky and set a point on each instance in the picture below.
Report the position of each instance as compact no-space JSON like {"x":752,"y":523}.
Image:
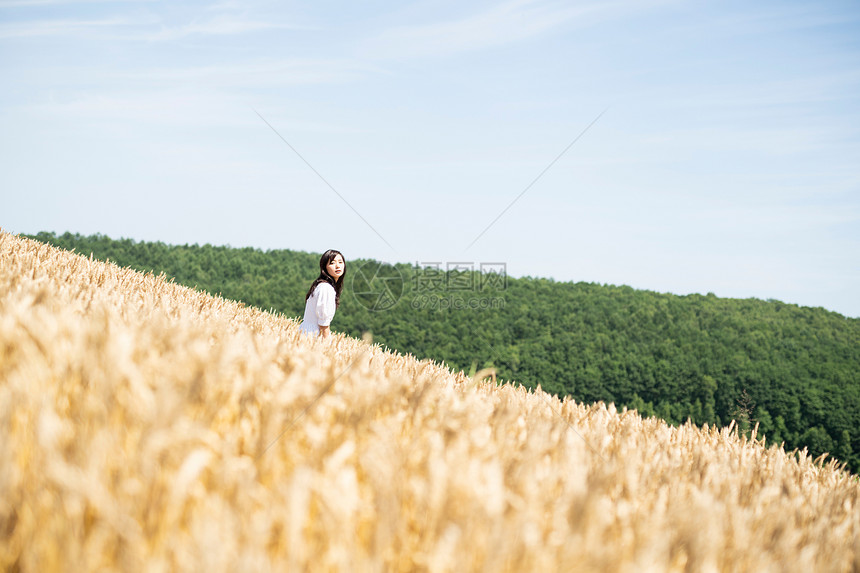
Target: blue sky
{"x":727,"y":159}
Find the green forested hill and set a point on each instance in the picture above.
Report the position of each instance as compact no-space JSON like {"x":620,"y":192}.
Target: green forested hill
{"x":794,"y":370}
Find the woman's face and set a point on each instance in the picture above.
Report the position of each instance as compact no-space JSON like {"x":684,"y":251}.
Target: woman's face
{"x":336,"y":267}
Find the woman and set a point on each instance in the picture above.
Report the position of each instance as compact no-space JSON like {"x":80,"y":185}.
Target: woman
{"x":323,"y":297}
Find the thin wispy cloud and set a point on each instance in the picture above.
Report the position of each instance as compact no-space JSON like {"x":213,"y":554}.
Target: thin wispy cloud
{"x":512,"y":21}
{"x":768,"y":217}
{"x":33,"y":3}
{"x":158,"y":104}
{"x":35,"y":28}
{"x":254,"y":74}
{"x":763,"y":18}
{"x":221,"y":19}
{"x":812,"y":88}
{"x":220,"y":25}
{"x":127,"y":108}
{"x":760,"y":140}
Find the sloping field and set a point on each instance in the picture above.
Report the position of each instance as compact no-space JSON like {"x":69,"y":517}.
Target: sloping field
{"x":146,"y":426}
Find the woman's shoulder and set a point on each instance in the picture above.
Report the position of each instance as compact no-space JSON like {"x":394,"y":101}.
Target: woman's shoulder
{"x":323,"y":286}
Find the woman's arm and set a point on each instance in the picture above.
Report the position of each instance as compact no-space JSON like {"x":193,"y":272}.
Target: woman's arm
{"x":326,"y":306}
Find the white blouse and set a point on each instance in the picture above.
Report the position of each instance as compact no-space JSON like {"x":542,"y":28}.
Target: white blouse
{"x":319,"y":309}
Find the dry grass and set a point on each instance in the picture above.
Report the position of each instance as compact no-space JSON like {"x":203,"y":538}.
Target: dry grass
{"x":146,"y":426}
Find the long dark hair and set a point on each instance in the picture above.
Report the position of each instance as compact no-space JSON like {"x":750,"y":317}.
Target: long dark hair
{"x":324,"y":277}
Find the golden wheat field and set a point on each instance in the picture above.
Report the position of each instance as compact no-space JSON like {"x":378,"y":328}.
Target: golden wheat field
{"x":145,"y":426}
